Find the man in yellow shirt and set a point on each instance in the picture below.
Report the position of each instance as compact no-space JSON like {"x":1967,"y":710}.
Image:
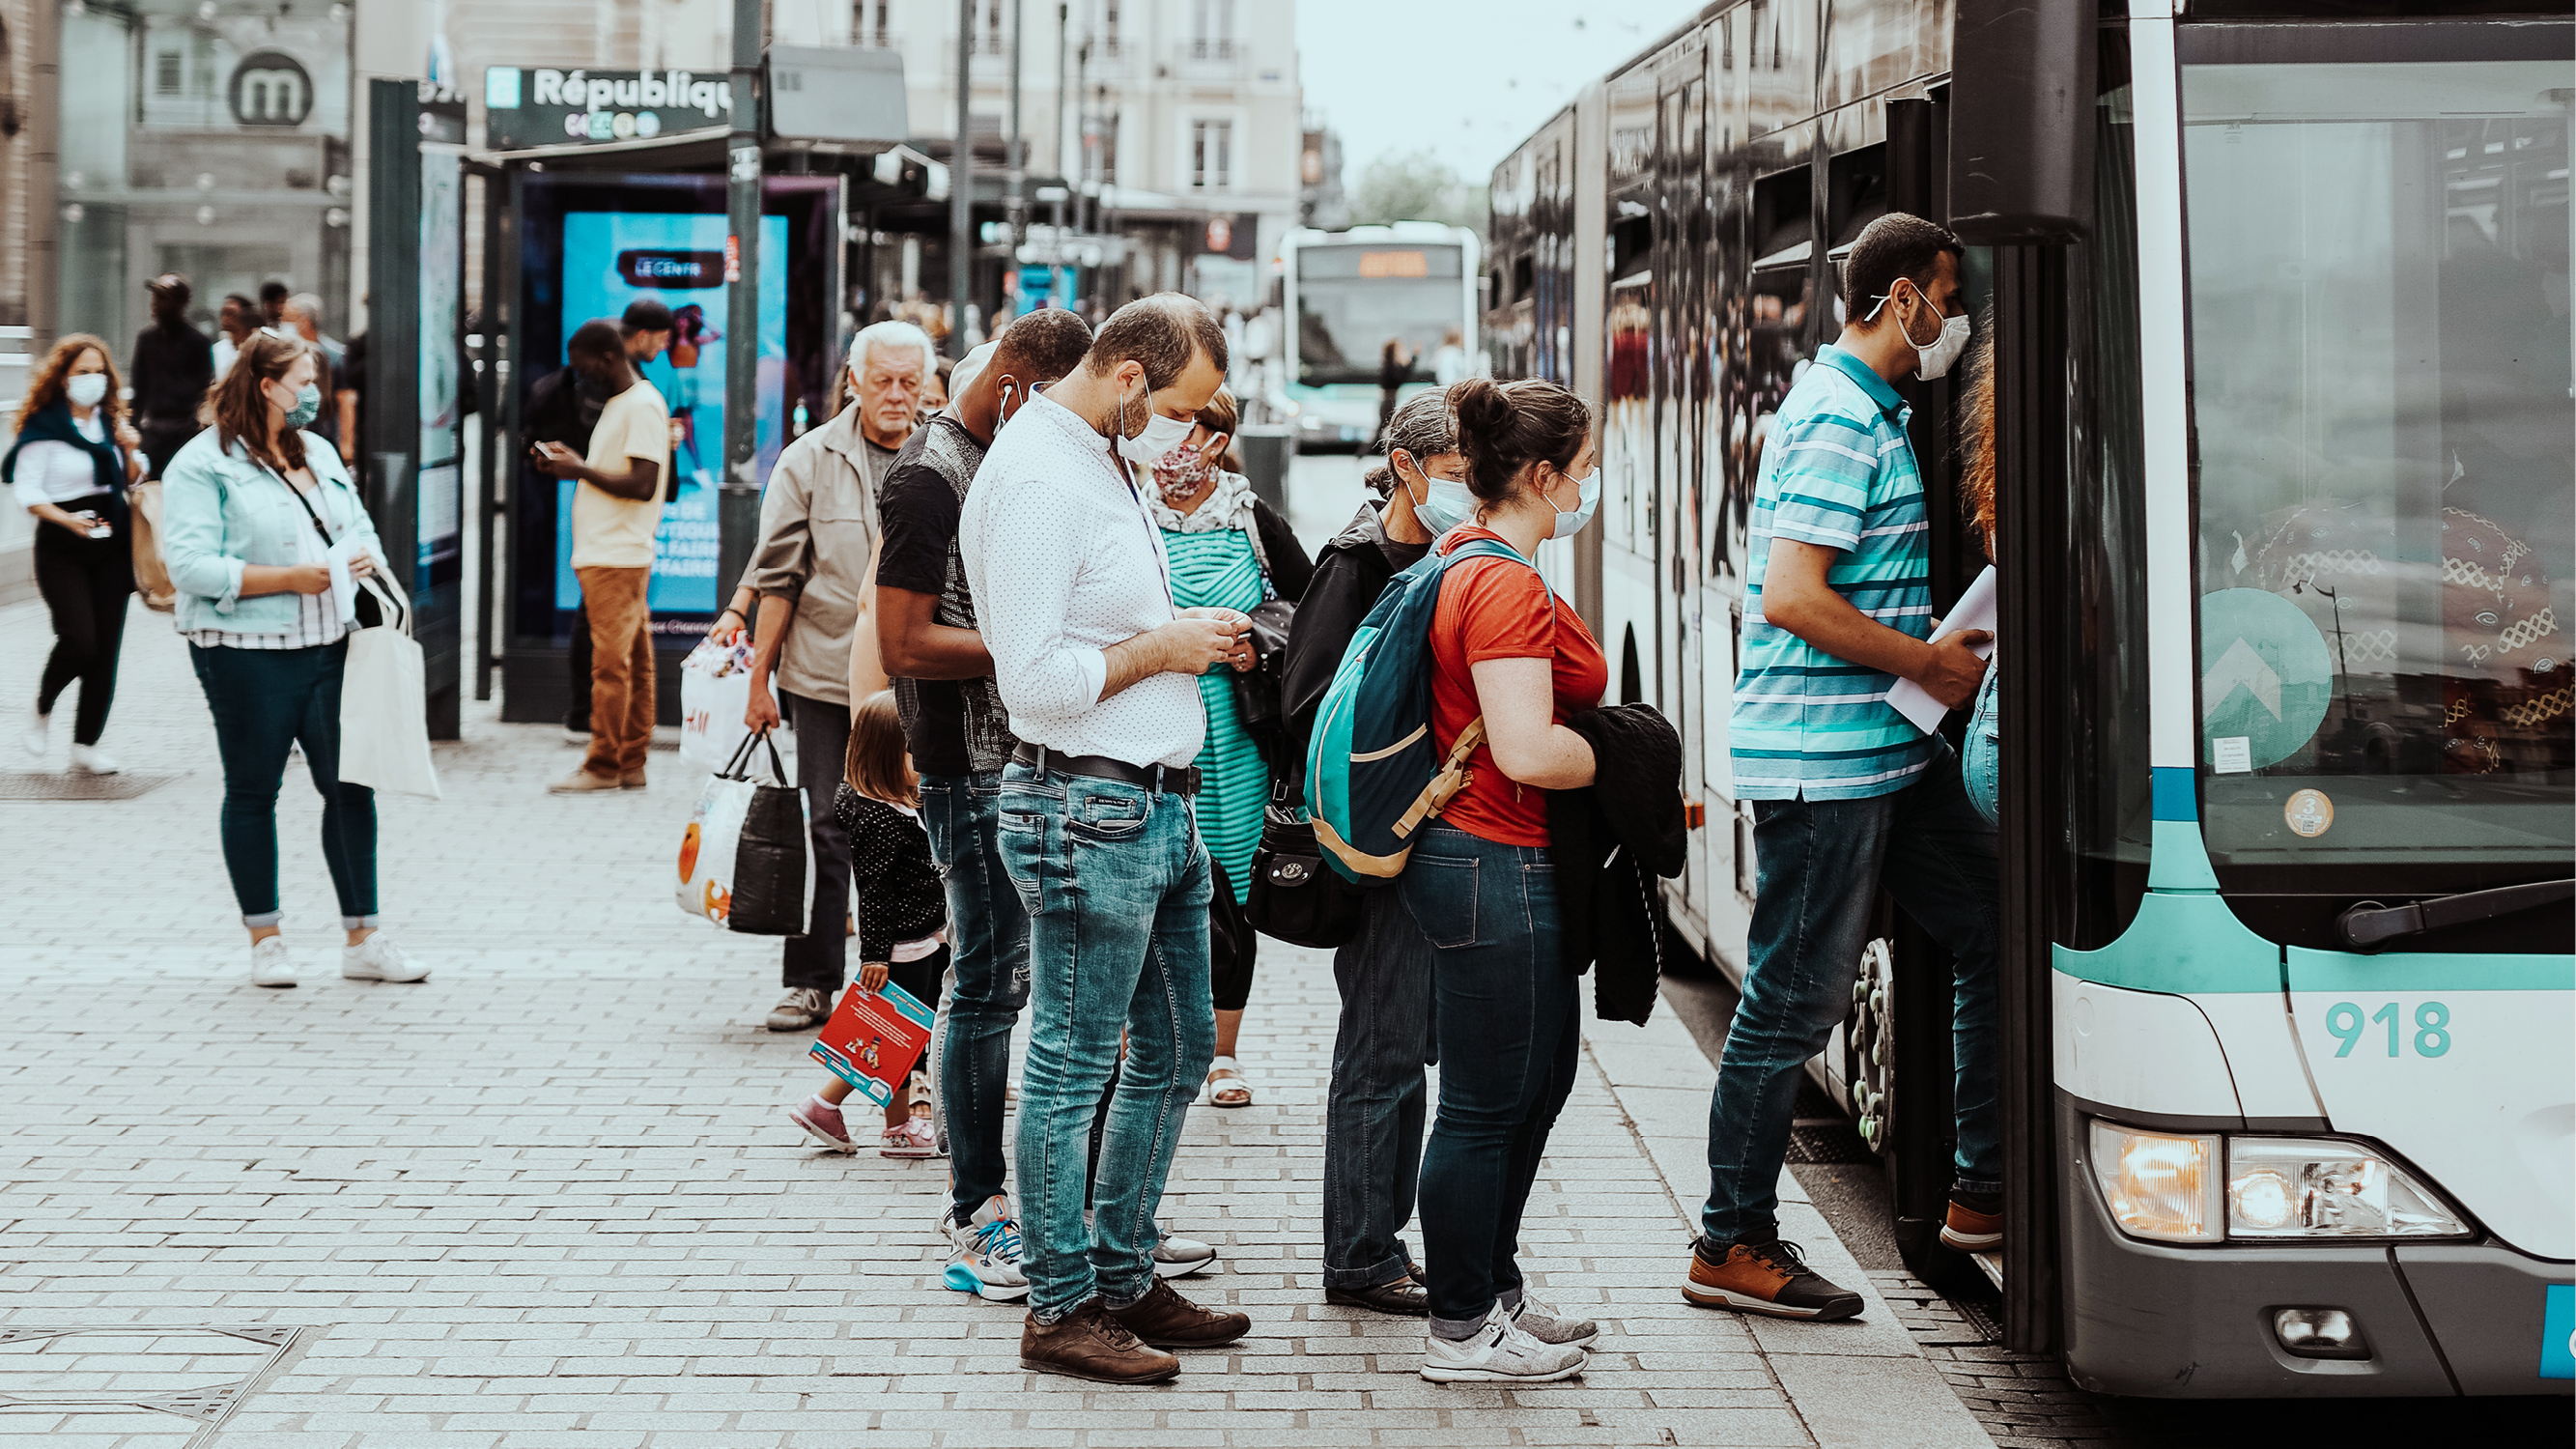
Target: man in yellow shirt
{"x":616,"y":510}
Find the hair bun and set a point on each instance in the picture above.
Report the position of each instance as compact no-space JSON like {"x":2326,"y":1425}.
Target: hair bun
{"x":1480,"y":405}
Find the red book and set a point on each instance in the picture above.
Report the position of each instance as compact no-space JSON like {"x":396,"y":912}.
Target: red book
{"x":873,"y":1039}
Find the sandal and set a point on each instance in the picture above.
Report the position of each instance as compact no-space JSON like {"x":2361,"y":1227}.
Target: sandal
{"x":1226,"y":1084}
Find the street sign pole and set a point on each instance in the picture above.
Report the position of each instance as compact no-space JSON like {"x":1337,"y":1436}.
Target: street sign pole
{"x":738,"y":498}
{"x":961,"y":200}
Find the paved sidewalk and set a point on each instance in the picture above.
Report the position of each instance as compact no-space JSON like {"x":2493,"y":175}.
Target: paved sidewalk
{"x":548,"y":1198}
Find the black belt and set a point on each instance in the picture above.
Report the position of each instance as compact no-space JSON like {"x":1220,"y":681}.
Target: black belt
{"x":1177,"y":779}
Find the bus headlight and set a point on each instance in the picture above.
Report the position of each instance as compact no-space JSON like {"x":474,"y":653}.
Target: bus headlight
{"x":2289,"y":1187}
{"x":2159,"y":1185}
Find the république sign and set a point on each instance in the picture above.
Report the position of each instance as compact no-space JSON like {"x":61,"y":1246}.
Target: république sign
{"x":539,"y":107}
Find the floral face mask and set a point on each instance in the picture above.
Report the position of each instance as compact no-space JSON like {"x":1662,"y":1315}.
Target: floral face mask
{"x":1180,"y":472}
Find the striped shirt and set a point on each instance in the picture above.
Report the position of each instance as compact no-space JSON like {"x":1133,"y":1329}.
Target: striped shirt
{"x":1837,"y":473}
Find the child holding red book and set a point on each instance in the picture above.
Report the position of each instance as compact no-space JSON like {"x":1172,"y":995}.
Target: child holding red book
{"x":902,"y":916}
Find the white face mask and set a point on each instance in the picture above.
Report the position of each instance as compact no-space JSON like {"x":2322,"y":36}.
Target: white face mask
{"x":1161,"y":434}
{"x":1936,"y":356}
{"x":87,"y":390}
{"x":1441,"y":504}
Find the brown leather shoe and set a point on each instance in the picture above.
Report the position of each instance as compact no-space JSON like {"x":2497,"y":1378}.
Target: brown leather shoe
{"x":1089,"y":1344}
{"x":1769,"y":1278}
{"x":1165,"y":1319}
{"x":1970,"y":1231}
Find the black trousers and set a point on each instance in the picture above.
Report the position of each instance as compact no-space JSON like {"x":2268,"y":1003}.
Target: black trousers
{"x":577,"y":713}
{"x":85,"y":583}
{"x":820,"y":957}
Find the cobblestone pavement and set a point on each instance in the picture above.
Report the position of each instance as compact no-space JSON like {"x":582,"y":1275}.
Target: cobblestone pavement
{"x":548,"y":1198}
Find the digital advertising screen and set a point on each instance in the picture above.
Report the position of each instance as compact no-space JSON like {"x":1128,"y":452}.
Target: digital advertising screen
{"x":590,"y":245}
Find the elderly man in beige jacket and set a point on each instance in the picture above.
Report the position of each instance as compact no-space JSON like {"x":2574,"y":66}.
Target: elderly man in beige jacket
{"x":812,"y":572}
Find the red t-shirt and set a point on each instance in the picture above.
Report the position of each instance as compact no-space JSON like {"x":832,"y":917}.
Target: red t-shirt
{"x":1495,"y":608}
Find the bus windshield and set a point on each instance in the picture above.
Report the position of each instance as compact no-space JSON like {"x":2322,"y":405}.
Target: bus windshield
{"x":1355,"y":298}
{"x":2386,"y":451}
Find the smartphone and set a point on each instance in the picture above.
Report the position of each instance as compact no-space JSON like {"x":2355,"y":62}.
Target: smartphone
{"x":98,"y":527}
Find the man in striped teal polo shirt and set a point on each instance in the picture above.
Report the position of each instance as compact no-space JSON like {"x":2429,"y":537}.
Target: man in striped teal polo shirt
{"x":1847,"y":795}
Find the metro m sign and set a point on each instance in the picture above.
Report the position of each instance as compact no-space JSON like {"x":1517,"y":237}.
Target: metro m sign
{"x":270,"y":88}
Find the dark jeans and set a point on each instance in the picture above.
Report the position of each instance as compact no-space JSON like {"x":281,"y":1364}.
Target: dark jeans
{"x":1505,"y":1010}
{"x":1117,"y":885}
{"x":988,"y":934}
{"x":1373,"y":1109}
{"x":820,"y":957}
{"x":263,"y":701}
{"x":1818,"y":865}
{"x":86,"y":582}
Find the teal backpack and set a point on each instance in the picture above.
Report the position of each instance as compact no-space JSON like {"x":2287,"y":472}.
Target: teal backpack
{"x":1373,"y":774}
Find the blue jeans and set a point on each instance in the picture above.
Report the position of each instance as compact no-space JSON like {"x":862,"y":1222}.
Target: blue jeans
{"x":1818,"y":865}
{"x":263,"y":701}
{"x":1373,"y":1110}
{"x":1116,"y":885}
{"x":988,"y":939}
{"x":1505,"y":1010}
{"x":1981,"y":761}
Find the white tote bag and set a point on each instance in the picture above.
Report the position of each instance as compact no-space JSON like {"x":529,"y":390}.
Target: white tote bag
{"x":715,"y":690}
{"x":384,"y":702}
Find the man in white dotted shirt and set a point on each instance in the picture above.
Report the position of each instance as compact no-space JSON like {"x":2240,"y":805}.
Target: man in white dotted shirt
{"x":1098,"y":831}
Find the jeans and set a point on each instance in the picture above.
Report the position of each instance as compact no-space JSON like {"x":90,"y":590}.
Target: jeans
{"x":1818,"y":864}
{"x":1373,"y":1109}
{"x":621,"y":672}
{"x":264,"y":700}
{"x":988,"y":938}
{"x":1505,"y":1011}
{"x":820,"y":957}
{"x":86,"y":582}
{"x":1116,"y":884}
{"x":1981,"y":761}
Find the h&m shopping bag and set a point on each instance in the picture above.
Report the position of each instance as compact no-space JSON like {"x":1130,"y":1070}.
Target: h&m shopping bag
{"x":384,"y":700}
{"x":746,"y":863}
{"x":715,"y":690}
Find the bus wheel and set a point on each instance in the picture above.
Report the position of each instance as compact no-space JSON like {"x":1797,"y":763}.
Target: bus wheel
{"x":1869,"y":1044}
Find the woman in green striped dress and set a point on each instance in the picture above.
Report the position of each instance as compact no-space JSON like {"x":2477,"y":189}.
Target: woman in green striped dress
{"x":1228,"y":550}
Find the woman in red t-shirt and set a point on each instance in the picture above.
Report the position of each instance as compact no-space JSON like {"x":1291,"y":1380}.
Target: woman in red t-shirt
{"x":1479,"y":884}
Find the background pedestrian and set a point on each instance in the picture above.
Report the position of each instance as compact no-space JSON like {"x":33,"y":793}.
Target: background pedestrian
{"x":174,"y":364}
{"x":74,"y":457}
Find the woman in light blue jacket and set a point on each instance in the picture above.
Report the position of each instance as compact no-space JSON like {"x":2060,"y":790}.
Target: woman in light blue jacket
{"x":251,"y":509}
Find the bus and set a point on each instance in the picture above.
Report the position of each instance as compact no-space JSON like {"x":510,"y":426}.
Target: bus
{"x":1346,"y":295}
{"x":2277,"y":298}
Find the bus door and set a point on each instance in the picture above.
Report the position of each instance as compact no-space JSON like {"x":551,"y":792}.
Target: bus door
{"x":2386,"y":551}
{"x":1683,"y":306}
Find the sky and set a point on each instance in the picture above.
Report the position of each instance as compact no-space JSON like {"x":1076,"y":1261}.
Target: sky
{"x":1465,"y":79}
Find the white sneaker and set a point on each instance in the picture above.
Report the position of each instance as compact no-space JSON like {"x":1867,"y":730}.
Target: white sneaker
{"x":377,"y":958}
{"x":1180,"y":1257}
{"x":984,"y":1253}
{"x":91,"y":760}
{"x":1499,"y":1353}
{"x":270,"y":965}
{"x":1549,"y":1326}
{"x":38,"y":722}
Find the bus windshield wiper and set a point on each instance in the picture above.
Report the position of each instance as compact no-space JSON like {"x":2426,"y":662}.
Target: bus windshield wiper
{"x":2368,"y":924}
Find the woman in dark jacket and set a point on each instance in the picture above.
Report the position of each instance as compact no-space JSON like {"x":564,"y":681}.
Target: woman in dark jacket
{"x":1373,"y":1112}
{"x":74,"y":457}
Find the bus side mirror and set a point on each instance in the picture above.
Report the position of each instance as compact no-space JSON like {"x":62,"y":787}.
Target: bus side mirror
{"x":2021,"y":121}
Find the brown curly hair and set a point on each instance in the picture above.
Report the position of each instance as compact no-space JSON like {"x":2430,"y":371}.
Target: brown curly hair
{"x":1977,"y":437}
{"x":46,"y":388}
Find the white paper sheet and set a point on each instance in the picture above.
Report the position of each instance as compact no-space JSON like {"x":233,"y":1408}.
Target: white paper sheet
{"x":344,"y":589}
{"x":1976,"y":610}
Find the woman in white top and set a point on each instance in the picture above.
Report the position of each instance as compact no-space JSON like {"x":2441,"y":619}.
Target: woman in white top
{"x":254,"y":508}
{"x":74,"y":457}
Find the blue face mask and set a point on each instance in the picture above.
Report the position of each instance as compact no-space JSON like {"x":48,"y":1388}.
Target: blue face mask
{"x":1587,"y":500}
{"x":1442,"y":505}
{"x":308,"y":406}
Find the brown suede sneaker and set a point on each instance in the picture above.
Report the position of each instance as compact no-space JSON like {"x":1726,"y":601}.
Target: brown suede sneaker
{"x":1971,"y":1231}
{"x":1089,"y":1344}
{"x":1767,"y":1278}
{"x":1165,"y":1319}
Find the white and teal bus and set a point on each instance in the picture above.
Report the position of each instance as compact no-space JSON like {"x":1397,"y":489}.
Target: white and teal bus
{"x":2277,"y":292}
{"x":1348,"y":295}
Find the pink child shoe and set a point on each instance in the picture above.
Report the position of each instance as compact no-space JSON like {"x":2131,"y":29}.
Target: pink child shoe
{"x":822,"y":1122}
